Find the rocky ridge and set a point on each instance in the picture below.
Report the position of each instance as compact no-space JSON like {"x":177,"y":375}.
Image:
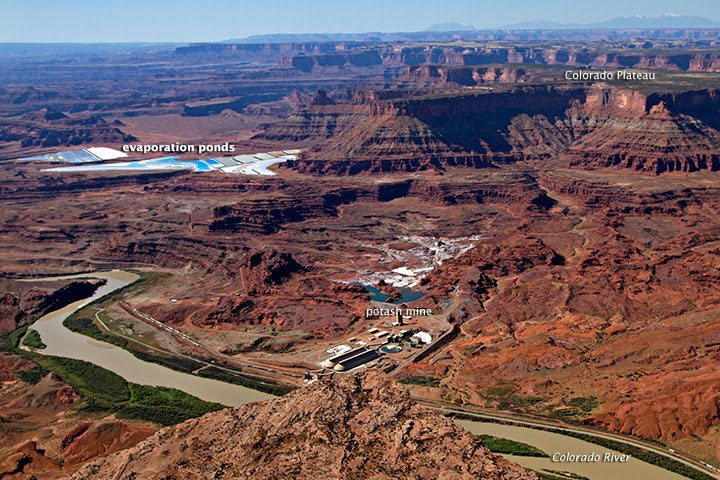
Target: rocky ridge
{"x":359,"y":426}
{"x":51,"y":128}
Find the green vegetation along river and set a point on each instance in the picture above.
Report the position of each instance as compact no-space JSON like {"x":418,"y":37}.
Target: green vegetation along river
{"x":552,"y":443}
{"x":61,"y":342}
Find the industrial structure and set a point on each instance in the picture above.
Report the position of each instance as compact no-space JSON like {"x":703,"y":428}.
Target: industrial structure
{"x":332,"y":362}
{"x":352,"y":359}
{"x":356,"y":361}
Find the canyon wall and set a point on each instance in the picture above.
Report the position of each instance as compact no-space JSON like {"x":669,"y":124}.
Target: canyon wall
{"x":595,"y":126}
{"x":307,"y":56}
{"x":392,"y":56}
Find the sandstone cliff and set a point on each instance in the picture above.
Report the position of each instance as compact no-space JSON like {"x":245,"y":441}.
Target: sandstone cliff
{"x":588,"y":127}
{"x":24,"y":301}
{"x":308,"y":57}
{"x":649,"y":133}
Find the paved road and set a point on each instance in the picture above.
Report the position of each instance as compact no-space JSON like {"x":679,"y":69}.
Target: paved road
{"x":173,"y":354}
{"x":414,"y":356}
{"x":532,"y":422}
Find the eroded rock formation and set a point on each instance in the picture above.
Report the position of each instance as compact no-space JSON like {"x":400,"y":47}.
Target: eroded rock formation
{"x":25,"y":301}
{"x":359,"y":426}
{"x":599,"y":126}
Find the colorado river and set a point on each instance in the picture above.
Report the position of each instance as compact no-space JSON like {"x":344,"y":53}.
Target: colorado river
{"x":62,"y":342}
{"x":551,"y":443}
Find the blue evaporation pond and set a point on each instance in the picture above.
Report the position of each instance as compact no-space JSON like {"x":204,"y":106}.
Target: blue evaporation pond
{"x":201,"y":166}
{"x":406,"y":295}
{"x":174,"y":162}
{"x":158,"y":161}
{"x":167,"y":162}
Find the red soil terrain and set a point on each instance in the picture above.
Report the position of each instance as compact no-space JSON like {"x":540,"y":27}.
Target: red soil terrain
{"x":588,"y":303}
{"x":318,"y":305}
{"x":43,"y":432}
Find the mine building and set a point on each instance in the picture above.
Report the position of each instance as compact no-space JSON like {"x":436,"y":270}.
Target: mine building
{"x":400,"y":336}
{"x":394,"y":338}
{"x":356,"y":361}
{"x":334,"y":361}
{"x":423,"y":337}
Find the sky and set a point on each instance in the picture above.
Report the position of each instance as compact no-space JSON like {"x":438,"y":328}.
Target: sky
{"x":214,"y":20}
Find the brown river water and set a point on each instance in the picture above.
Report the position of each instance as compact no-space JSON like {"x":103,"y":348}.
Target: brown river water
{"x":62,"y":342}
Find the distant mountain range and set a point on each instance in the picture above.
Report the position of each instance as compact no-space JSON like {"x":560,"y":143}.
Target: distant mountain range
{"x":450,"y":27}
{"x":634,"y":22}
{"x":453,"y":31}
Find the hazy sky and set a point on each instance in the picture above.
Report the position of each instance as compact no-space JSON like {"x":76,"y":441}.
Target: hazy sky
{"x":208,"y":20}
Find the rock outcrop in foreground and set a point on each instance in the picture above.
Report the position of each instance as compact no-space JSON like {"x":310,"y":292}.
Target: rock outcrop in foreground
{"x":360,"y":426}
